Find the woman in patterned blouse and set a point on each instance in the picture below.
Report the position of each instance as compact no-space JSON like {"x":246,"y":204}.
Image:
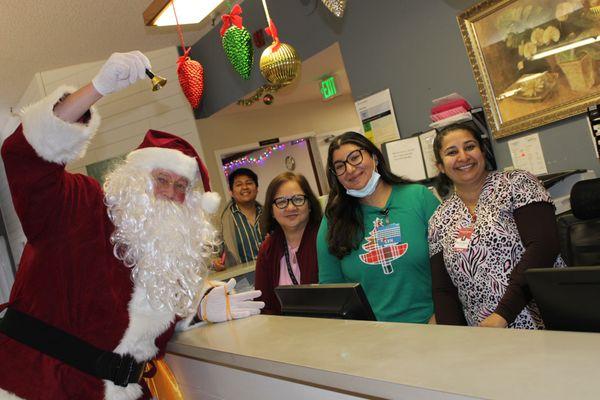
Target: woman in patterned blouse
{"x":485,"y":235}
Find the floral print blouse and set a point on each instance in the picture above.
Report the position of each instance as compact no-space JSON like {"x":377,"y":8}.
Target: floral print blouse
{"x":481,"y":273}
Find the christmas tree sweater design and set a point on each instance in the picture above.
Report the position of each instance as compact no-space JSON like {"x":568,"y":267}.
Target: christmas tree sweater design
{"x":383,"y":245}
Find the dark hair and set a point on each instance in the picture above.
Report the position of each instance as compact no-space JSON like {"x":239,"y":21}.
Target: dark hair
{"x":343,"y":212}
{"x":267,"y":221}
{"x":443,"y":183}
{"x":242,"y":171}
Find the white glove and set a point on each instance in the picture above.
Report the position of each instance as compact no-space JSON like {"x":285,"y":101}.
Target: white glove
{"x":213,"y":307}
{"x":120,"y":71}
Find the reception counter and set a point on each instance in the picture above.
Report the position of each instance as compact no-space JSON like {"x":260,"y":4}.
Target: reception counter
{"x":233,"y":272}
{"x":271,"y":357}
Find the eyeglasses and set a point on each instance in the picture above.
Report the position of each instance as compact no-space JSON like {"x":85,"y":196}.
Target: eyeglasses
{"x":354,"y":158}
{"x":164,"y":183}
{"x":297,"y":200}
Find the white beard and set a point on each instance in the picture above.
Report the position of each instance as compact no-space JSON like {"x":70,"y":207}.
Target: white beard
{"x":167,"y":245}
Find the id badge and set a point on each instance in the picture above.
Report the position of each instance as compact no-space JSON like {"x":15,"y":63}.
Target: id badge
{"x":463,"y":240}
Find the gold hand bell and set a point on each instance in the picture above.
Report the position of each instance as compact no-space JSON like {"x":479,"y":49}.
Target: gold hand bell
{"x":157,"y":81}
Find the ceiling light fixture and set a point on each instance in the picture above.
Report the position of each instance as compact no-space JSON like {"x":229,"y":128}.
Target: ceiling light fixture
{"x":560,"y":49}
{"x":160,"y":12}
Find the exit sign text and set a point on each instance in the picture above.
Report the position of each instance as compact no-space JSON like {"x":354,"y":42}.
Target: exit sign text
{"x":328,"y":88}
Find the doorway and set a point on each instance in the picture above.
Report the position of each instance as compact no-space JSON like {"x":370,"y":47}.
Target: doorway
{"x":299,"y":154}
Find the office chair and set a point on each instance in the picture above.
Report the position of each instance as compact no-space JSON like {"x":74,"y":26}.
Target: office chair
{"x":579,"y":229}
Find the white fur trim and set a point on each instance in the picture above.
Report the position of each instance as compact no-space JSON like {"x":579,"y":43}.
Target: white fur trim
{"x":186,"y":324}
{"x":210,"y":202}
{"x":145,"y":325}
{"x":132,"y":391}
{"x":150,"y":158}
{"x":52,"y":138}
{"x":4,"y":395}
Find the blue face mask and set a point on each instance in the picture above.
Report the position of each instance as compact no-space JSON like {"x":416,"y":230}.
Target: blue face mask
{"x":369,"y":188}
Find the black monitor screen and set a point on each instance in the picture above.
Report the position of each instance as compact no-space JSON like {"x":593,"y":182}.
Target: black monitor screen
{"x":337,"y":300}
{"x":568,"y":298}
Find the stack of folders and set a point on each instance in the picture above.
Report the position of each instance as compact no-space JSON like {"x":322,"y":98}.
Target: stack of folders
{"x":448,"y":110}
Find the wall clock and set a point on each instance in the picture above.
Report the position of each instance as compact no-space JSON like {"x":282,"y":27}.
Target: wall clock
{"x":290,"y":163}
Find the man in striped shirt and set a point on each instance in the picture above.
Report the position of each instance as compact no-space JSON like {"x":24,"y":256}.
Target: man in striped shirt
{"x":242,"y":235}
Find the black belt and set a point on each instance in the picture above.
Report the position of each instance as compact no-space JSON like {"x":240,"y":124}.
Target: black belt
{"x":30,"y":331}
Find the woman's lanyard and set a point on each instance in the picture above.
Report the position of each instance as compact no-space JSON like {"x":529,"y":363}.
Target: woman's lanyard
{"x":464,"y":234}
{"x":386,"y":214}
{"x":287,"y":262}
{"x":473,"y":215}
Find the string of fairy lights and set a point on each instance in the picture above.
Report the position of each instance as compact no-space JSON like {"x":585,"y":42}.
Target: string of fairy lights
{"x":251,"y":160}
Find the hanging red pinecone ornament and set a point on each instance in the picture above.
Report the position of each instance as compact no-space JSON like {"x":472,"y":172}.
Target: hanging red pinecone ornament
{"x":189,"y":72}
{"x":191,"y":78}
{"x":237,"y":42}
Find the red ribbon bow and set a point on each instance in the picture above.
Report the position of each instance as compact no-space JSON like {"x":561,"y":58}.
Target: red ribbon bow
{"x":272,"y":31}
{"x":234,"y":18}
{"x":185,"y":56}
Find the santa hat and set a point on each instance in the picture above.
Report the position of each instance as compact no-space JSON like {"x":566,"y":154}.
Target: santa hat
{"x":166,"y":151}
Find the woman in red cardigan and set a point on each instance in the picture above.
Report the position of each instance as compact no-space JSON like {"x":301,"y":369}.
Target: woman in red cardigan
{"x":288,"y":256}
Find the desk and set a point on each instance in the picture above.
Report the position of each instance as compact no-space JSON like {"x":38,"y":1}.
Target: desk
{"x":548,"y":180}
{"x":308,"y":358}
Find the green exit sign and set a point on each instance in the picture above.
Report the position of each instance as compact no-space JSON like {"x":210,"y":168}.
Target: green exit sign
{"x":328,"y":89}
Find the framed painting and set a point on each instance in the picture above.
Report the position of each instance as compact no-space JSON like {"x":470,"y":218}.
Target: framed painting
{"x":534,"y":61}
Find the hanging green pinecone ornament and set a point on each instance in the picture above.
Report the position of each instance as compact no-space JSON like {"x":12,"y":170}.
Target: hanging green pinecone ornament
{"x":237,"y":42}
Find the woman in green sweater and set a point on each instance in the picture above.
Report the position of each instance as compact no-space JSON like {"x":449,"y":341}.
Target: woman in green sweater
{"x":375,"y":231}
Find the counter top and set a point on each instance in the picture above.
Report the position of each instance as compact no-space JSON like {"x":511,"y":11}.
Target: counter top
{"x":378,"y":358}
{"x":232,"y":272}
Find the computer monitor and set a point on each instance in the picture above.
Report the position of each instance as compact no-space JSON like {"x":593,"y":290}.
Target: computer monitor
{"x":336,"y":300}
{"x":568,"y":298}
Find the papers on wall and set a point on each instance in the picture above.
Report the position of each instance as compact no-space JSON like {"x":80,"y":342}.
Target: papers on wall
{"x":405,"y":158}
{"x":412,"y":158}
{"x":426,"y":140}
{"x":526,"y":153}
{"x":376,"y":113}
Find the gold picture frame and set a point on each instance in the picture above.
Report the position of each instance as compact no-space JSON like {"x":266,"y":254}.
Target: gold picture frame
{"x":534,"y":61}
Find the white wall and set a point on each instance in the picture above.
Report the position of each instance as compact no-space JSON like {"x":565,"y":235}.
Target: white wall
{"x":16,"y":237}
{"x":324,"y":138}
{"x":4,"y":117}
{"x":6,"y":274}
{"x":126,"y":116}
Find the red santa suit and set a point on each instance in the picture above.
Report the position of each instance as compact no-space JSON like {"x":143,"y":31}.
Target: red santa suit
{"x":68,"y":276}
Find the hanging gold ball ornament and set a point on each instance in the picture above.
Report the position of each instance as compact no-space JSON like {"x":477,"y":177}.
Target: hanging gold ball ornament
{"x":280,"y":66}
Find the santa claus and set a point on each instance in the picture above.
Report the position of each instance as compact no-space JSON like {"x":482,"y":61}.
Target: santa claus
{"x":106,"y":275}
